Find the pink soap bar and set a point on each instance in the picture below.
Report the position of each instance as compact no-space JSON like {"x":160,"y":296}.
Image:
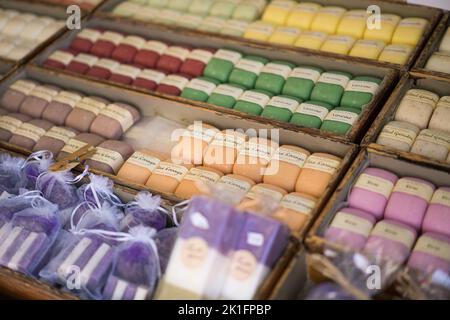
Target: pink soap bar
{"x":172,"y":59}
{"x":38,"y":99}
{"x":11,"y":122}
{"x":60,"y":59}
{"x":196,"y":61}
{"x":60,"y":107}
{"x":103,"y":68}
{"x":16,"y":93}
{"x":431,"y":253}
{"x":350,"y":228}
{"x":173,"y":84}
{"x":149,"y":79}
{"x":106,"y":43}
{"x":437,"y":217}
{"x":127,"y":49}
{"x":391,"y":240}
{"x":85,"y":39}
{"x":150,"y":53}
{"x":82,"y":63}
{"x":125,"y":74}
{"x":372,"y":190}
{"x":409,"y":201}
{"x":29,"y":133}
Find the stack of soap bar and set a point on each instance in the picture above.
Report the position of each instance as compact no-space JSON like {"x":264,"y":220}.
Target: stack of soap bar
{"x":302,"y":15}
{"x":199,"y":89}
{"x":285,"y":35}
{"x":273,"y":76}
{"x":196,"y":182}
{"x":431,"y":253}
{"x":277,"y":11}
{"x":327,"y":19}
{"x":295,"y":210}
{"x":37,"y":100}
{"x":360,"y":91}
{"x":310,"y":114}
{"x":235,"y":183}
{"x":253,"y":101}
{"x":85,"y":112}
{"x":437,"y":217}
{"x":10,"y":123}
{"x":226,"y":95}
{"x":247,"y":70}
{"x":330,"y":87}
{"x":432,"y":143}
{"x":301,"y":82}
{"x":140,"y":166}
{"x":340,"y":120}
{"x":221,"y":65}
{"x":439,"y":62}
{"x":409,"y":201}
{"x":350,"y":228}
{"x":259,"y":31}
{"x":370,"y":49}
{"x":16,"y":93}
{"x":441,"y":115}
{"x":396,"y":53}
{"x":391,"y":240}
{"x":353,"y":24}
{"x":409,"y":31}
{"x":78,"y":142}
{"x":385,"y":31}
{"x":110,"y":156}
{"x":281,"y":108}
{"x":29,"y":133}
{"x":338,"y":44}
{"x":416,"y":107}
{"x":311,"y":40}
{"x":61,"y":105}
{"x":372,"y":191}
{"x":55,"y":139}
{"x":398,"y":135}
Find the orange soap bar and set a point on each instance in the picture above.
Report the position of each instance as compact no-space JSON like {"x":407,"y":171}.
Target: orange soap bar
{"x":223,"y":149}
{"x":316,"y":173}
{"x":254,"y":157}
{"x":235,"y":183}
{"x":167,"y":176}
{"x":140,"y":166}
{"x":295,"y":210}
{"x":284,"y":167}
{"x":191,"y":184}
{"x":266,"y":192}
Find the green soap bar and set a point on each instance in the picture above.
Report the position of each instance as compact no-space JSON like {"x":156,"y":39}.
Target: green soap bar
{"x":273,"y":76}
{"x":301,"y":81}
{"x":158,"y":3}
{"x":221,"y":65}
{"x":253,"y":101}
{"x":200,"y":7}
{"x":330,"y":87}
{"x":247,"y":70}
{"x":310,"y":114}
{"x":281,"y":108}
{"x":179,"y":5}
{"x":246,"y":12}
{"x":360,"y":91}
{"x":199,"y":89}
{"x":234,"y":28}
{"x":226,"y":95}
{"x":223,"y":9}
{"x":340,"y":120}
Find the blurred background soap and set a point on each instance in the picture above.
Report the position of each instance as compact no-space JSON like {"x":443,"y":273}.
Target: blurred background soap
{"x":172,"y":58}
{"x":285,"y":35}
{"x":167,"y":176}
{"x":106,"y":43}
{"x":311,"y":40}
{"x":38,"y":99}
{"x":10,"y":122}
{"x":353,"y":23}
{"x":441,"y":115}
{"x":197,"y":181}
{"x":247,"y":70}
{"x":221,"y":65}
{"x":388,"y":24}
{"x":277,"y":11}
{"x":149,"y":54}
{"x":437,"y":217}
{"x":302,"y":15}
{"x":259,"y":30}
{"x":235,"y":183}
{"x":295,"y":210}
{"x":370,"y":49}
{"x":199,"y":89}
{"x":253,"y":101}
{"x":409,"y":31}
{"x":273,"y":76}
{"x":327,"y":19}
{"x":281,"y":108}
{"x":431,"y":253}
{"x":16,"y":93}
{"x":339,"y":44}
{"x":110,"y":156}
{"x":396,"y":53}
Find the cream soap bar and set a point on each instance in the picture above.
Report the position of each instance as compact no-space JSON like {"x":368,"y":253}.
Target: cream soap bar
{"x":398,"y":135}
{"x":416,"y":107}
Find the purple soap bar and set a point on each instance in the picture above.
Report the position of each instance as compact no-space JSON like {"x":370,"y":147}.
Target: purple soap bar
{"x":350,"y":228}
{"x":78,"y":142}
{"x":55,"y":139}
{"x":144,"y":210}
{"x":84,"y":113}
{"x":56,"y":188}
{"x":391,"y":240}
{"x":9,"y":123}
{"x":34,"y":167}
{"x":110,"y":156}
{"x":165,"y":240}
{"x":118,"y":289}
{"x":37,"y":100}
{"x":372,"y":190}
{"x":29,"y":133}
{"x":60,"y":107}
{"x":431,"y":253}
{"x":16,"y":94}
{"x":437,"y":217}
{"x":409,"y":201}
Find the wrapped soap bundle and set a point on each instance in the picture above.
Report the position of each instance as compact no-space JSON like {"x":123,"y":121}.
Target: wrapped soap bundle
{"x":11,"y":173}
{"x":36,"y":164}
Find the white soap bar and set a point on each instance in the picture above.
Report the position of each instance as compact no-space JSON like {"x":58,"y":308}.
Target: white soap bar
{"x":398,"y":135}
{"x":445,"y":43}
{"x":433,"y":144}
{"x":440,"y":120}
{"x":439,"y":61}
{"x":416,"y":107}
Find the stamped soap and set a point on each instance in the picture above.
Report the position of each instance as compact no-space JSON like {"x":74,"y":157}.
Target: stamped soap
{"x":437,"y":217}
{"x":140,"y":165}
{"x":417,"y":107}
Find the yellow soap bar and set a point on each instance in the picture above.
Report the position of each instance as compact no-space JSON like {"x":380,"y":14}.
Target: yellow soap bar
{"x":353,"y":24}
{"x":259,"y":31}
{"x":383,"y":30}
{"x":338,"y":44}
{"x":277,"y":11}
{"x":396,"y":53}
{"x":409,"y":31}
{"x":285,"y":35}
{"x":311,"y":40}
{"x":369,"y":49}
{"x":302,"y":15}
{"x":327,"y":19}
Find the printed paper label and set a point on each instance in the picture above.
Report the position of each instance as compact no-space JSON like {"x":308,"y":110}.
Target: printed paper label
{"x":232,"y":141}
{"x":30,"y":131}
{"x":59,"y":133}
{"x":227,"y":90}
{"x":414,"y":188}
{"x":352,"y":223}
{"x":394,"y":233}
{"x":442,"y":197}
{"x":278,"y":69}
{"x":112,"y":37}
{"x":201,"y":85}
{"x":175,"y":81}
{"x":370,"y":43}
{"x":107,"y":64}
{"x":333,"y":78}
{"x":250,"y":66}
{"x":61,"y":56}
{"x":202,"y":133}
{"x":313,"y":110}
{"x":23,"y":86}
{"x":322,"y":164}
{"x":410,"y":23}
{"x":68,"y":98}
{"x":86,"y":59}
{"x":243,"y":265}
{"x":315,"y":35}
{"x":228,"y":55}
{"x":434,"y":137}
{"x":73,"y":145}
{"x":121,"y":115}
{"x":256,"y":150}
{"x":202,"y":175}
{"x":144,"y":160}
{"x":305,"y":73}
{"x":200,"y":55}
{"x":90,"y":105}
{"x":235,"y":184}
{"x":111,"y":158}
{"x":44,"y":93}
{"x":362,"y":86}
{"x":342,"y":116}
{"x":345,"y":40}
{"x":89,"y":34}
{"x":422,"y":96}
{"x":434,"y":247}
{"x":397,"y":49}
{"x":259,"y":191}
{"x":171,"y":170}
{"x":298,"y":204}
{"x":194,"y":252}
{"x":134,"y":41}
{"x":375,"y":184}
{"x":155,"y":46}
{"x":258,"y":98}
{"x":177,"y":52}
{"x":400,"y":134}
{"x":290,"y":156}
{"x":284,"y":103}
{"x":127,"y":71}
{"x":152,"y":75}
{"x":289,"y":31}
{"x":9,"y":123}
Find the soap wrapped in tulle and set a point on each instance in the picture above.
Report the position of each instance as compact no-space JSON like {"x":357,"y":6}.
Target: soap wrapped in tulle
{"x":36,"y":164}
{"x":58,"y":187}
{"x":98,"y":190}
{"x":10,"y":206}
{"x":11,"y":174}
{"x":145,"y":210}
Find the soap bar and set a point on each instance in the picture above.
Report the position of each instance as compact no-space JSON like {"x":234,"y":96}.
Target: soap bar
{"x":106,"y":43}
{"x":81,"y":63}
{"x":370,"y":49}
{"x":310,"y":114}
{"x":225,"y":95}
{"x":223,"y":9}
{"x":59,"y":59}
{"x":179,"y":5}
{"x":259,"y":30}
{"x":221,"y":153}
{"x":38,"y":99}
{"x":396,"y":53}
{"x":234,"y":28}
{"x":261,"y":192}
{"x":85,"y":39}
{"x":437,"y":217}
{"x":149,"y":54}
{"x":114,"y":120}
{"x":167,"y":17}
{"x":103,"y":68}
{"x":247,"y":70}
{"x":149,"y":79}
{"x":211,"y":24}
{"x":14,"y":27}
{"x":254,"y":157}
{"x":196,"y":181}
{"x":340,"y":120}
{"x":311,"y":40}
{"x":327,"y":19}
{"x":199,"y":89}
{"x":200,"y":7}
{"x":338,"y":44}
{"x":398,"y":135}
{"x":391,"y":240}
{"x":372,"y":190}
{"x":360,"y":91}
{"x":167,"y":176}
{"x":110,"y":156}
{"x":127,"y":49}
{"x":235,"y":183}
{"x":29,"y":133}
{"x":353,"y":24}
{"x":125,"y":74}
{"x":409,"y":31}
{"x":350,"y":228}
{"x":246,"y":11}
{"x":78,"y":142}
{"x":444,"y":47}
{"x":295,"y":210}
{"x":273,"y":76}
{"x":285,"y":35}
{"x":384,"y":32}
{"x":55,"y":139}
{"x":302,"y":15}
{"x":277,"y":11}
{"x":221,"y":65}
{"x":301,"y":82}
{"x":253,"y":101}
{"x":409,"y":201}
{"x":157,"y":3}
{"x":432,"y":143}
{"x":330,"y":87}
{"x":140,"y":166}
{"x":196,"y":62}
{"x":13,"y":97}
{"x":173,"y":84}
{"x":127,"y":9}
{"x":172,"y":59}
{"x":416,"y":107}
{"x":285,"y":166}
{"x":439,"y":62}
{"x":9,"y":123}
{"x":84,"y":113}
{"x":280,"y":108}
{"x":441,"y":115}
{"x":50,"y":30}
{"x":317,"y":173}
{"x":431,"y":253}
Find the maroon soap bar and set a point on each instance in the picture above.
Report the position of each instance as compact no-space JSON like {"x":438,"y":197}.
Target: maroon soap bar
{"x":110,"y":156}
{"x":60,"y":107}
{"x":172,"y":59}
{"x":173,"y":84}
{"x":82,"y":63}
{"x":16,"y":94}
{"x":106,"y":43}
{"x":55,"y":139}
{"x":103,"y":68}
{"x":127,"y":49}
{"x":60,"y":59}
{"x":28,"y":134}
{"x":149,"y":79}
{"x":148,"y":55}
{"x":84,"y":113}
{"x":196,"y":62}
{"x":84,"y":40}
{"x":38,"y":99}
{"x":10,"y":122}
{"x":78,"y":142}
{"x":125,"y":74}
